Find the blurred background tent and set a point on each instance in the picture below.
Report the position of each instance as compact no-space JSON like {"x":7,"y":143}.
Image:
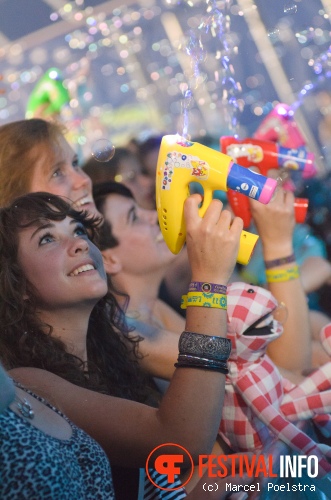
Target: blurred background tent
{"x":199,"y":67}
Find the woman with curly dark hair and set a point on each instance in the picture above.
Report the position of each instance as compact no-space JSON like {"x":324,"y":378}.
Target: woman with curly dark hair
{"x":112,"y":362}
{"x":24,"y":342}
{"x":54,"y":315}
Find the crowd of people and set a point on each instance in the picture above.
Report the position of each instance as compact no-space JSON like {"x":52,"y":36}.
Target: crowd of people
{"x":99,"y":364}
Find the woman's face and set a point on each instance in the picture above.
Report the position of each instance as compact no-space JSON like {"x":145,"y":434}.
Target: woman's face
{"x":57,"y":171}
{"x":141,"y":247}
{"x":141,"y":185}
{"x":62,"y":264}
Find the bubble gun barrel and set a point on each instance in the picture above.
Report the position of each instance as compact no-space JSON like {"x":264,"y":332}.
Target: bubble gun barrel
{"x":181,"y":162}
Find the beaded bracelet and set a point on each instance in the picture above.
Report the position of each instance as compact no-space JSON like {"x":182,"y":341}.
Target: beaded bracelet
{"x":196,"y":361}
{"x":280,"y":275}
{"x":202,"y":299}
{"x":269,"y":264}
{"x":204,"y":346}
{"x":204,"y":286}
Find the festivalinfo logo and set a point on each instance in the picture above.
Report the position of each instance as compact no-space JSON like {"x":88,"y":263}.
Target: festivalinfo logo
{"x":216,"y":467}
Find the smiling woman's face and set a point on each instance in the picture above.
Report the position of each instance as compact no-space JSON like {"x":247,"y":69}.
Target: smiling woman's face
{"x":62,"y":264}
{"x":57,"y":171}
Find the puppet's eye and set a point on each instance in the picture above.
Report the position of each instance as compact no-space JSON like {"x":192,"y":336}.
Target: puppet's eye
{"x":250,"y":290}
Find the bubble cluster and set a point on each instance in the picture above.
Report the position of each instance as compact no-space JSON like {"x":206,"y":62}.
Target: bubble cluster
{"x":217,"y":23}
{"x":290,"y":7}
{"x":214,"y":26}
{"x":103,"y":150}
{"x":322,"y":69}
{"x":322,"y":64}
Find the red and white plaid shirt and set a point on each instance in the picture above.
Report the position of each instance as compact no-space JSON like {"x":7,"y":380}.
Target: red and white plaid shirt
{"x":260,"y":405}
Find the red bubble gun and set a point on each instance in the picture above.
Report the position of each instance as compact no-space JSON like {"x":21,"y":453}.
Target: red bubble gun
{"x":264,"y":155}
{"x":279,"y":126}
{"x":181,"y":162}
{"x":267,"y":155}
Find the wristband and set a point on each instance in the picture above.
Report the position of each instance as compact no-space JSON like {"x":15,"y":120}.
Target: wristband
{"x":280,"y":275}
{"x":202,"y":299}
{"x":269,"y":264}
{"x":204,"y":286}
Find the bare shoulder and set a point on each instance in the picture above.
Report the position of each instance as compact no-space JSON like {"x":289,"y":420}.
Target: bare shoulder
{"x":111,"y":421}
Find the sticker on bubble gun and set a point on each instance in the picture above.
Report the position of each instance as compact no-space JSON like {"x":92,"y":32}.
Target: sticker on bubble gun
{"x":246,"y":182}
{"x":295,"y":159}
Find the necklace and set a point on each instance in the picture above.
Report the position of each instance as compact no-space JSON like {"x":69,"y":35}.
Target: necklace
{"x":24,"y":407}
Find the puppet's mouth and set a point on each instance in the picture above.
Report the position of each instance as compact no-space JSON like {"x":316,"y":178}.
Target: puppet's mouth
{"x":262,"y":326}
{"x":260,"y":331}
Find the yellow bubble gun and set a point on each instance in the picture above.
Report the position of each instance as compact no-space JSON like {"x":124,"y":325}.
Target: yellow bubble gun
{"x":181,"y":162}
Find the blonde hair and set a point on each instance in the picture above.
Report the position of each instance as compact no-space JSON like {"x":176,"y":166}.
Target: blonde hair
{"x":19,"y":143}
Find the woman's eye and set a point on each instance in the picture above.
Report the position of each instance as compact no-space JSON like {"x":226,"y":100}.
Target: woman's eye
{"x":57,"y":173}
{"x":47,"y":238}
{"x":81,"y":231}
{"x":134,"y":217}
{"x":75,"y":163}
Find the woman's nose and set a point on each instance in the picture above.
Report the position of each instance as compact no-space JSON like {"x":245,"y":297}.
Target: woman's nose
{"x":80,"y":179}
{"x":78,"y":245}
{"x":151,"y":216}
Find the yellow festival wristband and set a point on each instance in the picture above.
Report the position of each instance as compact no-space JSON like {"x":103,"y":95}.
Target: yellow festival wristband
{"x":203,"y":299}
{"x":279,"y":275}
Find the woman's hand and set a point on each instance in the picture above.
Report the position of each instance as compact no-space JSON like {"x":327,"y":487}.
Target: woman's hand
{"x":275,"y":223}
{"x":212,"y":241}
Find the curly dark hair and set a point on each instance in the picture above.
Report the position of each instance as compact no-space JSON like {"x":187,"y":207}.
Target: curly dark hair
{"x":112,"y":365}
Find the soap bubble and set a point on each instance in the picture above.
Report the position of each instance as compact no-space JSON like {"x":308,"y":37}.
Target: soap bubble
{"x":103,"y":150}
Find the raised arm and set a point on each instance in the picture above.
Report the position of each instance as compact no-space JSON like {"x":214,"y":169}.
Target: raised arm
{"x":190,"y":411}
{"x":275,"y":224}
{"x":315,"y":272}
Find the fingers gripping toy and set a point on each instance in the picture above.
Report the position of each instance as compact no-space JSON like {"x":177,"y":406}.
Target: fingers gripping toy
{"x":265,"y":155}
{"x":48,"y":96}
{"x":180,"y":163}
{"x":259,"y":404}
